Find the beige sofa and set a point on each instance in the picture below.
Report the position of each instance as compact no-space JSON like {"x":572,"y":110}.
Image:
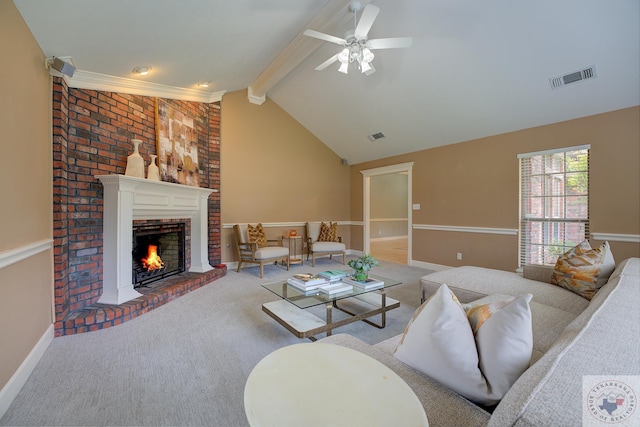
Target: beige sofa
{"x":572,"y":337}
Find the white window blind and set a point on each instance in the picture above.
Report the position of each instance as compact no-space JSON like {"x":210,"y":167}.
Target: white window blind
{"x":554,"y":203}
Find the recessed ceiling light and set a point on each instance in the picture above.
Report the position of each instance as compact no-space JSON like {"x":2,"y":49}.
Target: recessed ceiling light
{"x":142,"y":71}
{"x":203,"y":84}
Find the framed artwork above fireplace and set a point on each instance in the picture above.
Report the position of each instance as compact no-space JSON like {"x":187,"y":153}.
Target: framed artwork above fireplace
{"x":177,"y":145}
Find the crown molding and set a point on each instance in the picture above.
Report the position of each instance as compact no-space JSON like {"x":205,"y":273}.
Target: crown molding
{"x":95,"y":81}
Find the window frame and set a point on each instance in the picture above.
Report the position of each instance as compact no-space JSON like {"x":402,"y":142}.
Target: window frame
{"x":554,"y":202}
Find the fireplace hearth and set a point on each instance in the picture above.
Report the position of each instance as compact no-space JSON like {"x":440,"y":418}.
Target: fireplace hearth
{"x":158,"y":252}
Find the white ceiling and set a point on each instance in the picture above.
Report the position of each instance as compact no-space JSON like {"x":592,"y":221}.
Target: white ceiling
{"x":475,"y":68}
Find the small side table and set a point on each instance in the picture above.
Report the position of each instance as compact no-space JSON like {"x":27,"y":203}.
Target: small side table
{"x":293,"y":245}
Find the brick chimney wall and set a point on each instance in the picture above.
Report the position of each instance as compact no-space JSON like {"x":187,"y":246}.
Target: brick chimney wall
{"x":92,"y":132}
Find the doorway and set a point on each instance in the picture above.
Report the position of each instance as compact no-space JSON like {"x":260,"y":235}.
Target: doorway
{"x":387,"y":221}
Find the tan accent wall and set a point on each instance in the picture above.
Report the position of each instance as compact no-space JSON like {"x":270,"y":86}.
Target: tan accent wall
{"x":25,"y":177}
{"x":475,"y":184}
{"x":276,"y":172}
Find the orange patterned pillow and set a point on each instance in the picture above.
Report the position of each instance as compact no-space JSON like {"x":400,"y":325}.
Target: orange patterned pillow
{"x":584,"y":270}
{"x":333,"y":229}
{"x":256,"y":235}
{"x":328,"y":232}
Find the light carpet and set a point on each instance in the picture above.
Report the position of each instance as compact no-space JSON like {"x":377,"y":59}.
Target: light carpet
{"x":185,"y":363}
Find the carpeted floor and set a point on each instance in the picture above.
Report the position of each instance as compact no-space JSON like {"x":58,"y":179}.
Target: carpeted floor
{"x":184,"y":363}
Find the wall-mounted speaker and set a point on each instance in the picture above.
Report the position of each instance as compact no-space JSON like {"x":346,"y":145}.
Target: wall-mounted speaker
{"x":58,"y":67}
{"x":345,"y":162}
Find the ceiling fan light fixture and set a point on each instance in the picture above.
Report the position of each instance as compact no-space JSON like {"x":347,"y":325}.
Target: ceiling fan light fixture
{"x":367,"y":55}
{"x":356,"y":44}
{"x":344,"y":55}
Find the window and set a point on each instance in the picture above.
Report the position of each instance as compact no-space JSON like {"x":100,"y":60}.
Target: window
{"x":554,"y":203}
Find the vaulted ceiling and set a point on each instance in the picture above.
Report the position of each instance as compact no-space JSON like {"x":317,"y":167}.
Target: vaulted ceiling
{"x":475,"y":69}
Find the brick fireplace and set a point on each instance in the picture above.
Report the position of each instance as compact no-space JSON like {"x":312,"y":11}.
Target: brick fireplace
{"x":92,"y":132}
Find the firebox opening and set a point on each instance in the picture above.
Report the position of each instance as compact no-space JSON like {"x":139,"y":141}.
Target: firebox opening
{"x":158,"y":252}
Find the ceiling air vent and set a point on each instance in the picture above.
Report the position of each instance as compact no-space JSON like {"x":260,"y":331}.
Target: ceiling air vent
{"x":587,"y":73}
{"x":375,"y":136}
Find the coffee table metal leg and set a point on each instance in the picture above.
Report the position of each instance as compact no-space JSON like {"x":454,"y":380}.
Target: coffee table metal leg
{"x":329,"y":307}
{"x":382,"y":310}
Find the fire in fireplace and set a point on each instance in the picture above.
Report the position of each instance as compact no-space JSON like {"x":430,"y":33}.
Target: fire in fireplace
{"x":158,"y":251}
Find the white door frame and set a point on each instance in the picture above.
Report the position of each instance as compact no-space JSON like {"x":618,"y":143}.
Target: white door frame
{"x":366,"y":197}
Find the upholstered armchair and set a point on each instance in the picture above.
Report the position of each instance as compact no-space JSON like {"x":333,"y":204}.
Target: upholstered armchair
{"x":253,"y":247}
{"x":322,"y":239}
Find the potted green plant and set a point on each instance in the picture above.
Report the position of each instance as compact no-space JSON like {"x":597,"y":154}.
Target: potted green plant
{"x":361,"y":267}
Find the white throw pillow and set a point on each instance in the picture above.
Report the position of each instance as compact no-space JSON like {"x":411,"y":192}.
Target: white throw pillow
{"x":438,"y":341}
{"x":504,"y":338}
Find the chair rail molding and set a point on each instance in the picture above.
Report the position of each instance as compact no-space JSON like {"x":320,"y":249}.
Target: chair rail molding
{"x":482,"y":230}
{"x":13,"y":256}
{"x":628,"y":238}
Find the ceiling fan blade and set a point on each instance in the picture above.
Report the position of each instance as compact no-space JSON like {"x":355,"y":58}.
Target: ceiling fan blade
{"x":369,"y":14}
{"x":325,"y":37}
{"x":390,"y":43}
{"x":328,"y":62}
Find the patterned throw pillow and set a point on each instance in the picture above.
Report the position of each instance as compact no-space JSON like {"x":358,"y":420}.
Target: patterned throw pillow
{"x":256,"y":235}
{"x":584,"y":270}
{"x":328,"y":232}
{"x":333,"y":228}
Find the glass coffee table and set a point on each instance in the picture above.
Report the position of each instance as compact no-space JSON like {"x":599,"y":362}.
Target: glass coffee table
{"x":290,"y":311}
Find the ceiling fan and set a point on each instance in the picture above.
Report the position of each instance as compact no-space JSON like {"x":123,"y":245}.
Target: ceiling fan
{"x":357,"y":48}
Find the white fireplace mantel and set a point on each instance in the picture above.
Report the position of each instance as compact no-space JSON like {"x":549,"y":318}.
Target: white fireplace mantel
{"x":127,"y":198}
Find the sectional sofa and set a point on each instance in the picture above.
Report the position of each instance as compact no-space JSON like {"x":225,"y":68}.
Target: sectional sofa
{"x":572,"y":338}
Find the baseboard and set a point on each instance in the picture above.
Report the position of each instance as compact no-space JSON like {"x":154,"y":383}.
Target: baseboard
{"x":429,"y":265}
{"x":382,"y":239}
{"x":19,"y":378}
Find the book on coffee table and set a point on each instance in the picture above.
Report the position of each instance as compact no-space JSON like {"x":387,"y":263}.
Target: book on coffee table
{"x":334,"y":275}
{"x":335,"y":288}
{"x":305,"y":287}
{"x":308,"y":279}
{"x":368,"y":284}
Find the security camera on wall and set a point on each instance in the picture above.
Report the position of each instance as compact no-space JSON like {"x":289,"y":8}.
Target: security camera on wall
{"x":59,"y":67}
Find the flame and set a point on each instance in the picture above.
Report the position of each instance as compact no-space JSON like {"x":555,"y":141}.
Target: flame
{"x":152,"y":261}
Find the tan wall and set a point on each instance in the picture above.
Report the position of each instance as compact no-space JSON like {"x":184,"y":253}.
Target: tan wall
{"x":25,"y":177}
{"x":475,"y":184}
{"x":275,"y":171}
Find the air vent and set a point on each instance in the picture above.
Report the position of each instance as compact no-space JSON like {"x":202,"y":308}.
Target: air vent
{"x":375,"y":136}
{"x":577,"y":76}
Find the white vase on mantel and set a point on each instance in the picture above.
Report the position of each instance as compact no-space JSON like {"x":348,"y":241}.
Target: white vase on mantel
{"x":135,"y":162}
{"x":153,"y":173}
